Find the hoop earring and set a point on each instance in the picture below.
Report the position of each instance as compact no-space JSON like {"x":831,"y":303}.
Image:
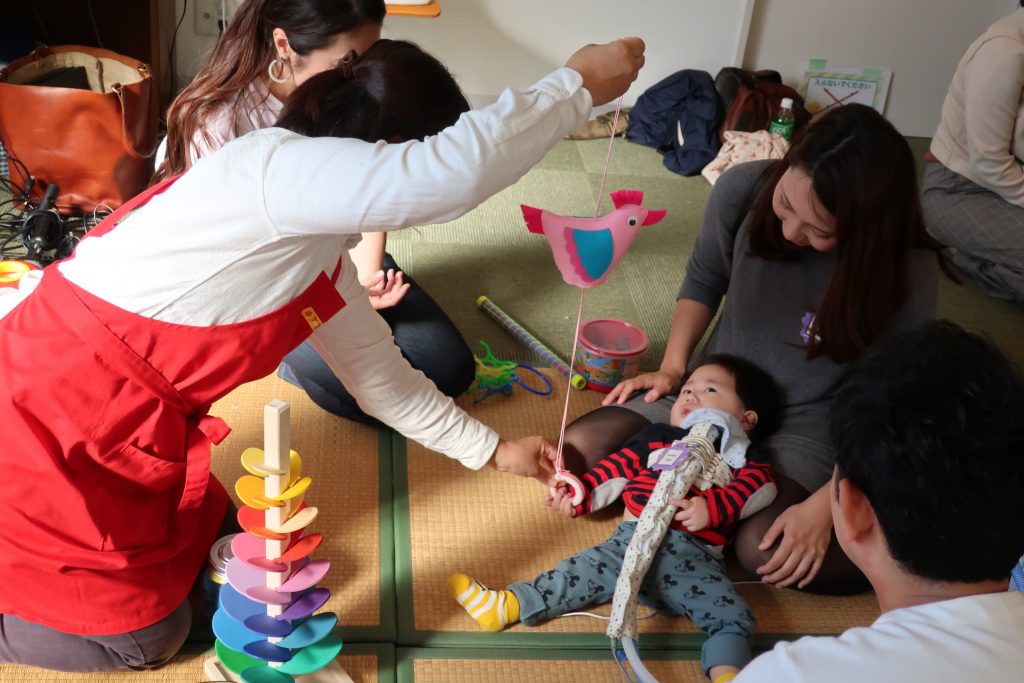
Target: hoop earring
{"x":281,"y":63}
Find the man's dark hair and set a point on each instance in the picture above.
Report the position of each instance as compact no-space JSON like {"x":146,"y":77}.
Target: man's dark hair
{"x":929,"y":424}
{"x":756,"y":388}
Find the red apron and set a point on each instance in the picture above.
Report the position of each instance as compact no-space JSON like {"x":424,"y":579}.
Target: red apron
{"x":108,"y":507}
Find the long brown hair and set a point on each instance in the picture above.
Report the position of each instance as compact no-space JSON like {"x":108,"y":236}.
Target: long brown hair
{"x":393,"y":92}
{"x":862,"y":172}
{"x":242,"y":54}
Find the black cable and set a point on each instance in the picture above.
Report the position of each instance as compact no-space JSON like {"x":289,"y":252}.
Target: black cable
{"x":95,"y":28}
{"x":170,"y":52}
{"x":39,"y":20}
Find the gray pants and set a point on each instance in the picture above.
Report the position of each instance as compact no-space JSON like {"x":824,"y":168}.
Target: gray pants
{"x":685,"y":578}
{"x":986,"y":230}
{"x":22,"y":642}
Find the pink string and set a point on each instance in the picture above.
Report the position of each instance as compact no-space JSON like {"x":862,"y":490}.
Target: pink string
{"x":559,"y":465}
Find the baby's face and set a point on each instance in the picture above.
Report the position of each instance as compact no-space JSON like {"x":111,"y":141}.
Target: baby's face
{"x":710,"y":386}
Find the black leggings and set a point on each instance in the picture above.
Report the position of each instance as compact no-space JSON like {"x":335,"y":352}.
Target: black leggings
{"x":605,"y":430}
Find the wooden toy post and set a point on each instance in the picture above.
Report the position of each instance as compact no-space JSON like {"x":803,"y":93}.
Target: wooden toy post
{"x":265,"y":624}
{"x":276,"y":440}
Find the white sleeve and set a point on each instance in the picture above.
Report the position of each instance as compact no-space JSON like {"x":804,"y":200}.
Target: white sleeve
{"x":993,"y":82}
{"x":358,"y":346}
{"x":324,"y":185}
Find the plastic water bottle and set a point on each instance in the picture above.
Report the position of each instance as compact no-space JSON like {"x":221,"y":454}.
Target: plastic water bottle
{"x":783,"y":122}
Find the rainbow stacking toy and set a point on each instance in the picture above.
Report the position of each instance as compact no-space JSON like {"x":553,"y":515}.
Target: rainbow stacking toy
{"x":265,"y":624}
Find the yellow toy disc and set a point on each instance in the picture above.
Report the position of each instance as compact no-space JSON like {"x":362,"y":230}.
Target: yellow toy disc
{"x":300,"y":520}
{"x":250,"y":490}
{"x":296,"y":489}
{"x":252,"y":460}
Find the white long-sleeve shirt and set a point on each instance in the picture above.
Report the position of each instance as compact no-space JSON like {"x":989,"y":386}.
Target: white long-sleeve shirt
{"x":255,"y":107}
{"x":250,"y":226}
{"x":974,"y":638}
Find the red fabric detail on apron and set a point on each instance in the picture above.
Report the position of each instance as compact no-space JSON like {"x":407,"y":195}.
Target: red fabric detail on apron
{"x":108,"y":502}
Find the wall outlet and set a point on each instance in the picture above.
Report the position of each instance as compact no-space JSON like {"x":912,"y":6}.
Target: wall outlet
{"x":208,"y":15}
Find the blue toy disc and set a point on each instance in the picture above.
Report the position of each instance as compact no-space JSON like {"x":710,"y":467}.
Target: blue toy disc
{"x":235,"y":661}
{"x":269,"y":626}
{"x":233,"y":633}
{"x":313,"y":630}
{"x":306,"y":604}
{"x":237,"y":605}
{"x":268,"y":652}
{"x":313,"y":658}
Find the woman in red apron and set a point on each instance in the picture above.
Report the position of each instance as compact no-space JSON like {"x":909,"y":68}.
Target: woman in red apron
{"x":203,"y":283}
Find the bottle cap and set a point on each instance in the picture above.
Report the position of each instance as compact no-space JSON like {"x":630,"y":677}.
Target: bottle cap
{"x":787,"y":103}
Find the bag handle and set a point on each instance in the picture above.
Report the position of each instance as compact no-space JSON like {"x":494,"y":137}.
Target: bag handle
{"x":126,"y":139}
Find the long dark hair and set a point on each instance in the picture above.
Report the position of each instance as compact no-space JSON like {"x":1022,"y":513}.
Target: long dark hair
{"x":862,"y":172}
{"x":393,"y":92}
{"x":243,"y":53}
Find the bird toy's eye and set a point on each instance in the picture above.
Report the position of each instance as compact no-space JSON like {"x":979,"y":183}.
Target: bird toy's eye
{"x":633,"y":221}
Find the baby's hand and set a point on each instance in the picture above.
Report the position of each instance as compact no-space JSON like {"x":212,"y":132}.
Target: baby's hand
{"x":693,"y":513}
{"x":559,"y":498}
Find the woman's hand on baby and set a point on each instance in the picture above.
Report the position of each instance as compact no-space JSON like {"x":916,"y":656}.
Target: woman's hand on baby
{"x":693,"y":512}
{"x":609,"y":69}
{"x":386,"y":289}
{"x":658,"y":384}
{"x":531,"y":456}
{"x":559,"y":498}
{"x":805,"y":530}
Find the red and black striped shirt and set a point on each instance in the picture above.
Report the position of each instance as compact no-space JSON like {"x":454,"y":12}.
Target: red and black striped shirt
{"x":625,"y":473}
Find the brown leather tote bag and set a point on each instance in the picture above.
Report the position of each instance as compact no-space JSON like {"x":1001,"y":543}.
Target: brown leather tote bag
{"x":82,"y":118}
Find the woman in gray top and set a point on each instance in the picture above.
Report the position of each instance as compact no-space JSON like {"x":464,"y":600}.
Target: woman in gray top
{"x":815,"y":256}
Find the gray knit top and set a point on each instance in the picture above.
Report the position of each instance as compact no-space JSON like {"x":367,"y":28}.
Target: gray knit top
{"x":766,"y":308}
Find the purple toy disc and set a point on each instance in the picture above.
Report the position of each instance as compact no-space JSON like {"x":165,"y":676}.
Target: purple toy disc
{"x":306,"y":604}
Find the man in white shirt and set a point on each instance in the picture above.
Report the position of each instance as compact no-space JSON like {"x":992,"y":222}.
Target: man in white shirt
{"x":925,"y":499}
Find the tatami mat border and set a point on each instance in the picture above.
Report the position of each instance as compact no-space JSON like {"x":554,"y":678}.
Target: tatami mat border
{"x":386,"y":631}
{"x":406,"y":659}
{"x":409,"y":636}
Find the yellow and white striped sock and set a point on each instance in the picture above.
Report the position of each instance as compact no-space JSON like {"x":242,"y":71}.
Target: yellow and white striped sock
{"x":493,"y":610}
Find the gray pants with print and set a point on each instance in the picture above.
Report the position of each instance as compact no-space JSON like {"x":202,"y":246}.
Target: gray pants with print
{"x":685,"y":578}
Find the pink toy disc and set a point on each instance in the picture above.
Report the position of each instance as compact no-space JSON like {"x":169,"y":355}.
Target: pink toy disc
{"x":242,"y":577}
{"x":252,"y":551}
{"x":305,"y":577}
{"x":301,"y":548}
{"x":268,"y":596}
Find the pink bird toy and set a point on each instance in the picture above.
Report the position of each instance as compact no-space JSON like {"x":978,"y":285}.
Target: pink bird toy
{"x":586,"y":249}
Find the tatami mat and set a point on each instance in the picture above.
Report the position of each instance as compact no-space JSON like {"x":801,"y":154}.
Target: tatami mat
{"x":364,"y":663}
{"x":495,"y":528}
{"x":468,"y":665}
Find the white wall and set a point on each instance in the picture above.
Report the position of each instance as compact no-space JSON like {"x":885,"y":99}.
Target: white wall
{"x":490,"y":44}
{"x":921,"y":41}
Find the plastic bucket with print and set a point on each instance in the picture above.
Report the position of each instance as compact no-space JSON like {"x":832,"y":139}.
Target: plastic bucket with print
{"x":608,"y":352}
